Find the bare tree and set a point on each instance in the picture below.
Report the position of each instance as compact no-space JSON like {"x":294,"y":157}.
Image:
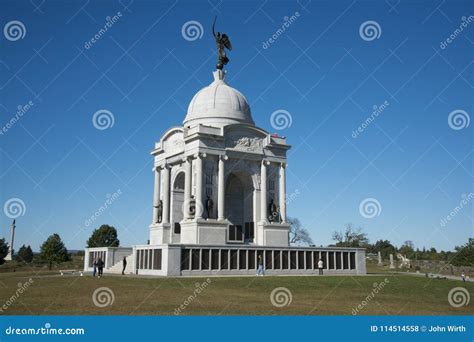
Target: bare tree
{"x":299,"y":235}
{"x":350,"y":237}
{"x":407,"y":249}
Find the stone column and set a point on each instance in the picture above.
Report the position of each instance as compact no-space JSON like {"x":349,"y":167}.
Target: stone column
{"x":166,"y":195}
{"x":12,"y":239}
{"x":187,"y":188}
{"x":156,"y":193}
{"x":283,"y":192}
{"x":391,"y":261}
{"x":199,"y":202}
{"x":380,"y":259}
{"x":221,"y":190}
{"x":263,"y":191}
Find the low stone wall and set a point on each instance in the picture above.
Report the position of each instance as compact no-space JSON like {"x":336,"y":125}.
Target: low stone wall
{"x":187,"y":260}
{"x":203,"y":260}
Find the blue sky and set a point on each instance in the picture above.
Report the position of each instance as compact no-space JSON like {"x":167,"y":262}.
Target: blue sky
{"x":326,"y":72}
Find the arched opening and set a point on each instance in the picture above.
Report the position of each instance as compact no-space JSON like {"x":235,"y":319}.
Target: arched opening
{"x":177,"y":200}
{"x":239,"y":200}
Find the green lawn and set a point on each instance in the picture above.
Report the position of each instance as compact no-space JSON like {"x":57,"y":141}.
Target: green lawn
{"x":327,"y":295}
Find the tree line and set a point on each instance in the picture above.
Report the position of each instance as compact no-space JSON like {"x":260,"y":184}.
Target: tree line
{"x":354,"y":237}
{"x":53,"y":250}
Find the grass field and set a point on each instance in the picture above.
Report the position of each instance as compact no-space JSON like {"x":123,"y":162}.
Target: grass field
{"x":50,"y":294}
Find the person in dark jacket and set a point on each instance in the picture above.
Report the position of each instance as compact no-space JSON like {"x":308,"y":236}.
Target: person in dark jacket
{"x":100,"y":267}
{"x":94,"y":264}
{"x":124,"y":262}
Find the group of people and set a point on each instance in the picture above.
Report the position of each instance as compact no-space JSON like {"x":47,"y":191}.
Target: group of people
{"x":98,"y":265}
{"x":261,"y":272}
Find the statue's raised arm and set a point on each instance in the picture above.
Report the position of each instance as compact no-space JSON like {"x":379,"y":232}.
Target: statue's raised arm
{"x":222,"y":42}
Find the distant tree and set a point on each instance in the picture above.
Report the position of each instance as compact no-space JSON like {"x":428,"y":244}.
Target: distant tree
{"x":3,"y":250}
{"x":104,"y":236}
{"x":384,"y":247}
{"x":464,"y":255}
{"x":350,"y":237}
{"x":407,"y":249}
{"x":298,"y":234}
{"x":25,"y":254}
{"x":53,"y":250}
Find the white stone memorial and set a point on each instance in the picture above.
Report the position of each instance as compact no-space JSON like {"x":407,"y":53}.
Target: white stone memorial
{"x":392,"y":265}
{"x":219,"y":156}
{"x":219,"y":200}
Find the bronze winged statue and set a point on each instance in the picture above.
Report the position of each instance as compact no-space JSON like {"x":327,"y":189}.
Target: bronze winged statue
{"x":222,"y":42}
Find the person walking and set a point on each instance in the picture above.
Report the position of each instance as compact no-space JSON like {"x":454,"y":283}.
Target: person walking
{"x":463,"y":276}
{"x":94,"y":264}
{"x":100,"y":267}
{"x":124,"y":263}
{"x":260,"y":271}
{"x":320,"y":266}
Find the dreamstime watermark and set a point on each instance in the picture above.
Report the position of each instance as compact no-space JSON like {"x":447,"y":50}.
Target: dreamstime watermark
{"x":458,"y":119}
{"x":14,"y":208}
{"x":192,"y":30}
{"x":21,"y":110}
{"x":377,"y":287}
{"x":192,"y":207}
{"x":110,"y":21}
{"x":291,"y":197}
{"x":287,"y":21}
{"x":280,"y":297}
{"x":370,"y":30}
{"x":103,"y":119}
{"x":110,"y":199}
{"x":14,"y":30}
{"x":199,"y":288}
{"x":464,"y":24}
{"x":458,"y":297}
{"x":103,"y":296}
{"x":466,"y":199}
{"x":22,"y":287}
{"x":281,"y":119}
{"x":46,"y":330}
{"x":377,"y":110}
{"x":370,"y":207}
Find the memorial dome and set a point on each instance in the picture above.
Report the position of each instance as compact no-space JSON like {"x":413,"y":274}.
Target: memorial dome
{"x":218,"y":104}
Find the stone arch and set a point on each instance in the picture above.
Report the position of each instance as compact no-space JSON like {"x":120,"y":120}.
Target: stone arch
{"x":244,"y":167}
{"x":176,"y":172}
{"x":177,"y":198}
{"x":240,"y":202}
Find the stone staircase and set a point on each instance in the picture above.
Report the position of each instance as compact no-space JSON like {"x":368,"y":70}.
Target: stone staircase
{"x":117,"y":267}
